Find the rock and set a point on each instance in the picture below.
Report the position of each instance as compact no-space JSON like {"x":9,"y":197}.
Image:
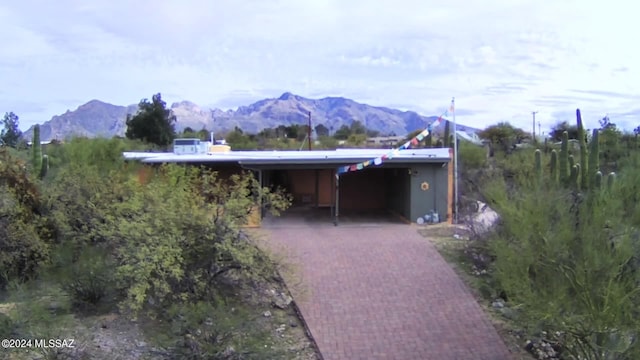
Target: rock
{"x":282,"y":301}
{"x":498,"y":304}
{"x":457,"y":237}
{"x":281,"y":328}
{"x":228,"y":352}
{"x":293,"y":324}
{"x":267,"y":314}
{"x":484,"y":220}
{"x":508,"y":313}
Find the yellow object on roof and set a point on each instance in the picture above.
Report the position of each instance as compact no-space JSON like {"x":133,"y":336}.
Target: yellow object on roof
{"x":219,"y":148}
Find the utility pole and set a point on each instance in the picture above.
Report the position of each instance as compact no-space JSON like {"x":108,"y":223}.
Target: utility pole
{"x":534,"y":125}
{"x":539,"y":130}
{"x":309,"y":133}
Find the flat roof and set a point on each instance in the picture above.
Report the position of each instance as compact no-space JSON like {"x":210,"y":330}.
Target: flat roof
{"x":256,"y":157}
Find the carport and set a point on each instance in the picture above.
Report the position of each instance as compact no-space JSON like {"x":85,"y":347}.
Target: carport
{"x":410,"y":185}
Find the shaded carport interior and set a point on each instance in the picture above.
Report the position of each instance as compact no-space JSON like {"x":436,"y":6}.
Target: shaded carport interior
{"x":364,"y":197}
{"x":375,"y":194}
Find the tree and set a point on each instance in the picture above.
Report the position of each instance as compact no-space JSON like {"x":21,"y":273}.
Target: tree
{"x":503,"y":134}
{"x":342,"y":133}
{"x":10,"y":134}
{"x":559,"y":128}
{"x":153,"y":123}
{"x":321,"y":130}
{"x":357,"y":127}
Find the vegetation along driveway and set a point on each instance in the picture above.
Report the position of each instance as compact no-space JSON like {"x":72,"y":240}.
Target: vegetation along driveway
{"x":383,"y":292}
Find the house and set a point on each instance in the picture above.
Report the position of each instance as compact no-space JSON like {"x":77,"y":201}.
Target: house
{"x":410,"y":184}
{"x":385,"y":141}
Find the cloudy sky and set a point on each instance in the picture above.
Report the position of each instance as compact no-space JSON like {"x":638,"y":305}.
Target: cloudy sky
{"x":500,"y":59}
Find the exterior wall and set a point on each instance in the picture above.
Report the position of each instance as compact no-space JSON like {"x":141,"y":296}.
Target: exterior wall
{"x":399,"y":192}
{"x":302,"y":186}
{"x":309,"y":186}
{"x":436,"y":197}
{"x":363,"y":190}
{"x":326,"y":187}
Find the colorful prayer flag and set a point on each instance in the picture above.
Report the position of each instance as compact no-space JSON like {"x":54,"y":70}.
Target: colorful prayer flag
{"x":395,"y":152}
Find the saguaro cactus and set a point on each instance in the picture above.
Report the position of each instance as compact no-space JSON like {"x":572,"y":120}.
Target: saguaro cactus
{"x":539,"y":166}
{"x":572,"y":162}
{"x":598,"y":180}
{"x":594,"y":153}
{"x":611,"y":179}
{"x":583,"y":152}
{"x":554,"y":166}
{"x":574,"y":181}
{"x":447,"y":132}
{"x":39,"y":162}
{"x":564,"y":157}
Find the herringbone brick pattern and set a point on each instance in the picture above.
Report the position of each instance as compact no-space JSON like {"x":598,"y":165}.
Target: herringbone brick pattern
{"x":384,"y":292}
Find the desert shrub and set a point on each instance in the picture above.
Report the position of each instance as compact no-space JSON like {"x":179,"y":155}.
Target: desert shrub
{"x":86,"y":275}
{"x":180,"y":232}
{"x":563,"y":258}
{"x":471,"y":156}
{"x":7,"y":326}
{"x":206,"y":330}
{"x":39,"y":310}
{"x":22,"y":251}
{"x":26,"y":234}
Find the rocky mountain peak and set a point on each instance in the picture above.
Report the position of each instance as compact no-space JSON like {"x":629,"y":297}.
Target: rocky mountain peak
{"x":97,"y":118}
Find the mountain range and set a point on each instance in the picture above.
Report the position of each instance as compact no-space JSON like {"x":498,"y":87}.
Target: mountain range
{"x":100,"y":119}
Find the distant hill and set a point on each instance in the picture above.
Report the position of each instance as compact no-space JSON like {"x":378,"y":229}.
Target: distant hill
{"x":100,"y":119}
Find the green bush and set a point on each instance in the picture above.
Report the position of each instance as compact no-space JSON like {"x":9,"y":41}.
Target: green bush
{"x":564,"y":258}
{"x":88,"y":276}
{"x":471,"y":156}
{"x":203,"y":330}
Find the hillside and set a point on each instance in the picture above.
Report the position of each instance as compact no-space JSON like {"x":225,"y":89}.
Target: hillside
{"x":97,"y":118}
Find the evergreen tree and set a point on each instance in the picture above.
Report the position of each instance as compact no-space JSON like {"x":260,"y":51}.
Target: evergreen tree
{"x":10,"y":134}
{"x":153,"y":123}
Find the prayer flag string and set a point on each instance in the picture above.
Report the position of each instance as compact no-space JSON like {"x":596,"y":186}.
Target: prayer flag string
{"x":395,"y":152}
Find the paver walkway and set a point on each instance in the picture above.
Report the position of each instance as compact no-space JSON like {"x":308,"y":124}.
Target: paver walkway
{"x":384,"y":292}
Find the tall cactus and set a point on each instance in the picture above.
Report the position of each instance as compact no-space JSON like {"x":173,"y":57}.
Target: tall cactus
{"x":428,"y":141}
{"x":36,"y":149}
{"x":584,"y":177}
{"x":564,"y":157}
{"x":39,"y":162}
{"x":451,"y":141}
{"x":447,"y":132}
{"x":554,"y":166}
{"x":611,"y":180}
{"x":598,"y":180}
{"x":572,"y":162}
{"x":594,"y":153}
{"x":575,"y":176}
{"x":539,"y":166}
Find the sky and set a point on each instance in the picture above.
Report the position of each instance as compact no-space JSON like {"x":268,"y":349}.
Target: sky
{"x":500,"y":59}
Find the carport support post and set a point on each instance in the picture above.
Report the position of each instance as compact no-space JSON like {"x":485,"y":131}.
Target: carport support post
{"x":337,"y":211}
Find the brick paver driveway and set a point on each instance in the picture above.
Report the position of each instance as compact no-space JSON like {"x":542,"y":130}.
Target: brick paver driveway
{"x":384,"y":292}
